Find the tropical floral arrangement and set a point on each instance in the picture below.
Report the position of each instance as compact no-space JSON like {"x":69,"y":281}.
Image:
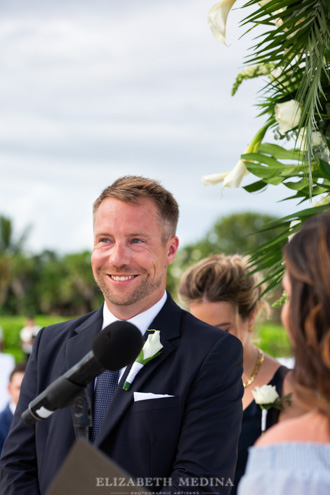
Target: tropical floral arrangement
{"x":292,"y":54}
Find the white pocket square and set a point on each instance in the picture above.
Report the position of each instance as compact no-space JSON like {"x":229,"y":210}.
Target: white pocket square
{"x":147,"y":396}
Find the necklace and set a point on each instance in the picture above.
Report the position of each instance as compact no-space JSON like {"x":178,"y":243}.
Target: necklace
{"x":259,"y":362}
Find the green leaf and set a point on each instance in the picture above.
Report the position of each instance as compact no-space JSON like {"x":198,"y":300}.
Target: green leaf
{"x":266,"y":173}
{"x":267,"y":160}
{"x":256,"y":186}
{"x":325,"y":169}
{"x":281,"y":153}
{"x":275,"y":181}
{"x":297,"y":186}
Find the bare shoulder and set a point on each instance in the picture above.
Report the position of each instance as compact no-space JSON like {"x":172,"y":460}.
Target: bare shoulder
{"x":270,"y":367}
{"x":271,"y":364}
{"x":310,"y":427}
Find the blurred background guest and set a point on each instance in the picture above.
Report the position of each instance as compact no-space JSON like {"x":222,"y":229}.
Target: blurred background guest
{"x":218,"y":291}
{"x":7,"y":363}
{"x":294,"y":456}
{"x":14,"y":387}
{"x":28,"y":335}
{"x":1,"y":339}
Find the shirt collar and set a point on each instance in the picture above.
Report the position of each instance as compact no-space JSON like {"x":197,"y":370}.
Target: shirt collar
{"x":12,"y":407}
{"x":142,"y":321}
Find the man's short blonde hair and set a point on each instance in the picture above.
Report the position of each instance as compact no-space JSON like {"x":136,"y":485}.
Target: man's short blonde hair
{"x":131,"y":189}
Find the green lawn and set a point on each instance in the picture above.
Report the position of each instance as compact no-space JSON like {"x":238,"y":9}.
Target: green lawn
{"x":12,"y":325}
{"x":271,"y":338}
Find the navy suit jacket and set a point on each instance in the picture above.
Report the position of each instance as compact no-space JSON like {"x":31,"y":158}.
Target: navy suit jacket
{"x":6,"y":417}
{"x":191,"y":435}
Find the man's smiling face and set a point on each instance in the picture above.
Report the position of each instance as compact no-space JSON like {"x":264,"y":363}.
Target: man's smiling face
{"x":130,"y":257}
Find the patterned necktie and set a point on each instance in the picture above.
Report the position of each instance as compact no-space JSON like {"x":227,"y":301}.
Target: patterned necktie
{"x":106,"y":385}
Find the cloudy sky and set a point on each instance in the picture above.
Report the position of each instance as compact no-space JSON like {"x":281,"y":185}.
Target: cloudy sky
{"x":90,"y":91}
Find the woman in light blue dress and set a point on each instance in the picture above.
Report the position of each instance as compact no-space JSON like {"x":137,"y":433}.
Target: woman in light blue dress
{"x":293,"y":457}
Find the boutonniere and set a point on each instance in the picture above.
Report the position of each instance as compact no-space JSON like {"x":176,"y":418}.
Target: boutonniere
{"x":267,"y":397}
{"x":151,"y":349}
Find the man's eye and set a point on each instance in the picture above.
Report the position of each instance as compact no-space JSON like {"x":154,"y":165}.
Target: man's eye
{"x":136,"y":241}
{"x":104,"y":240}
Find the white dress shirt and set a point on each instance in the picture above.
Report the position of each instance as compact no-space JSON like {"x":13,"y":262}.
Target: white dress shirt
{"x":142,"y":321}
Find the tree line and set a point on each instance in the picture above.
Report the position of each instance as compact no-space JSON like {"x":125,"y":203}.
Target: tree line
{"x":53,"y":284}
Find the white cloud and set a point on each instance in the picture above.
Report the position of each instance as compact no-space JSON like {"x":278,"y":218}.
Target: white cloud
{"x":90,"y":91}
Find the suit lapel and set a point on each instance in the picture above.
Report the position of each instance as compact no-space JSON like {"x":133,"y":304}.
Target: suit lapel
{"x":81,"y":342}
{"x":168,"y":323}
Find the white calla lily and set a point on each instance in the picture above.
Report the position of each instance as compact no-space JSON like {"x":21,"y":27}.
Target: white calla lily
{"x":287,"y":115}
{"x":217,"y":19}
{"x":152,"y":345}
{"x":150,"y":350}
{"x":234,"y":178}
{"x":212,"y":179}
{"x":229,"y":179}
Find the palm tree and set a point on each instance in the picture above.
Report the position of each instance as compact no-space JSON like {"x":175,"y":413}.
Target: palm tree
{"x":8,"y":244}
{"x":10,"y":249}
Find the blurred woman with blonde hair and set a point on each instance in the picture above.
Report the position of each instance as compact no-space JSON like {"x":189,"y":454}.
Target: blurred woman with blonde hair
{"x":220,"y":291}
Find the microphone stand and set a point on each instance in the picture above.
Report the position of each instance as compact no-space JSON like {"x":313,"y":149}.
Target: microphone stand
{"x":76,"y":396}
{"x":82,"y":414}
{"x":60,"y":394}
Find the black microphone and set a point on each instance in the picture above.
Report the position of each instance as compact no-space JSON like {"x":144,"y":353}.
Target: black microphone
{"x":113,"y":348}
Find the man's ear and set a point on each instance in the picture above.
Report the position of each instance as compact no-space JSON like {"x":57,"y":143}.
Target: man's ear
{"x":172,"y":248}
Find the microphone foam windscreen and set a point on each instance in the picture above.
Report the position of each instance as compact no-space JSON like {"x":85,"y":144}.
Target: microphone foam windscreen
{"x":117,"y":345}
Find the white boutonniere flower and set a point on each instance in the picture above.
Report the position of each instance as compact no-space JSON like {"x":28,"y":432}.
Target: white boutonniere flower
{"x":267,"y":397}
{"x":149,"y":351}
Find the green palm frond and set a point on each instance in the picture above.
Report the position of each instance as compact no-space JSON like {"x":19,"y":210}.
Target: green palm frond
{"x":274,"y":165}
{"x":298,"y":45}
{"x":269,"y":256}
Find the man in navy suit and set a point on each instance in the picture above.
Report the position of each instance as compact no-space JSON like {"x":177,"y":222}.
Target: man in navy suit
{"x":14,"y":386}
{"x":179,"y":422}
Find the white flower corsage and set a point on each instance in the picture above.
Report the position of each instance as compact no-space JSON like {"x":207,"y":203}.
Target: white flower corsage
{"x":149,"y":351}
{"x":267,"y":397}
